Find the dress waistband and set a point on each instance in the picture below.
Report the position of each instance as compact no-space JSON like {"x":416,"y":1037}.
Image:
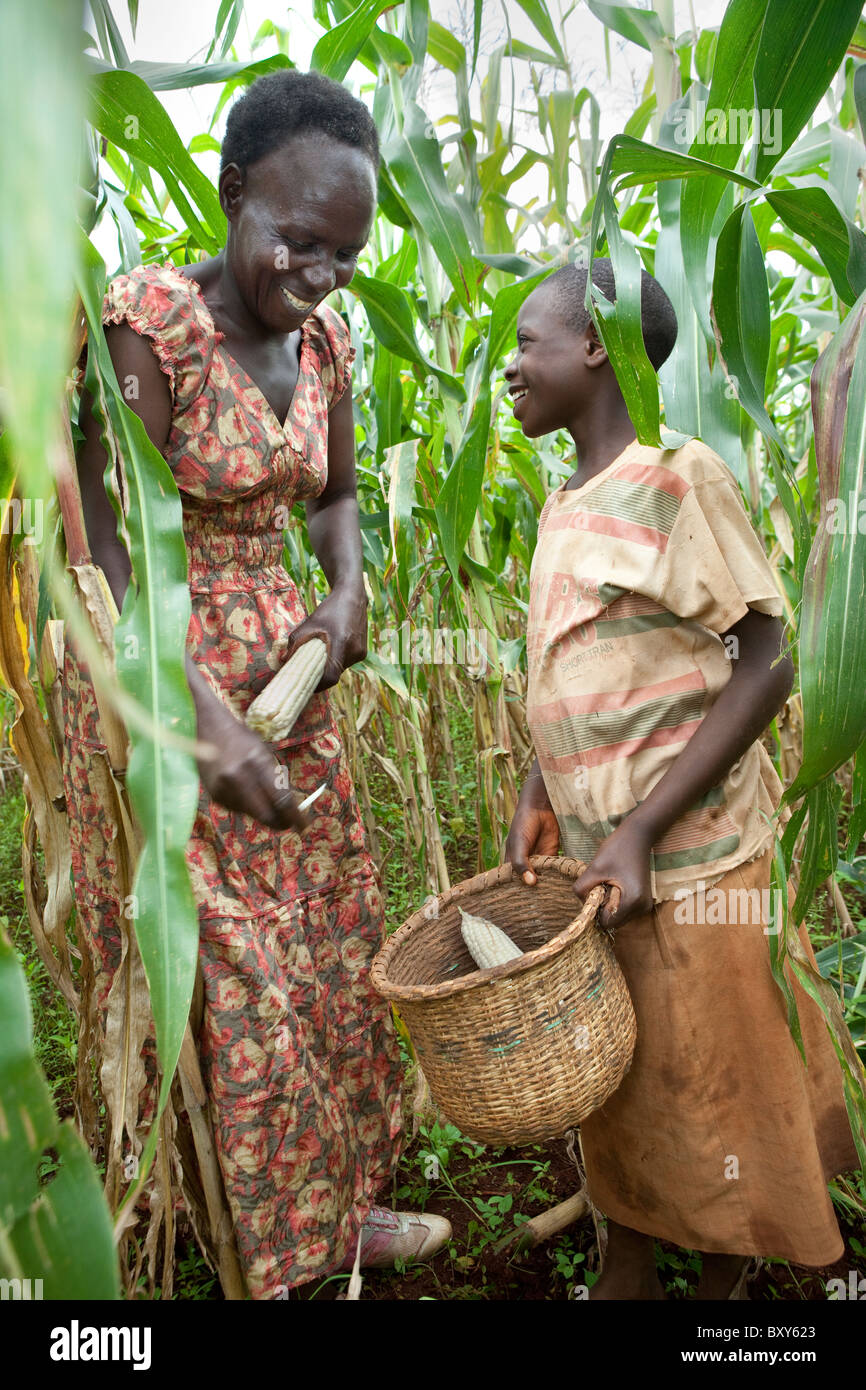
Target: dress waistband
{"x":236,"y":550}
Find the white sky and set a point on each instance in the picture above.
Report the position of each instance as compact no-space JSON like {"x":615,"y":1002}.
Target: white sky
{"x":180,"y":31}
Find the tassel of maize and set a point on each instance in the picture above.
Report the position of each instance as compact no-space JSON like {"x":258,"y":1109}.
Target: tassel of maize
{"x":488,"y":944}
{"x":273,"y":713}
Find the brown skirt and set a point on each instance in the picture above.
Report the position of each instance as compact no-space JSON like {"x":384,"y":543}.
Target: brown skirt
{"x":719,"y":1139}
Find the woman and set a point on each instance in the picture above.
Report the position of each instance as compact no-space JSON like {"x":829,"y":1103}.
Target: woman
{"x":242,"y":380}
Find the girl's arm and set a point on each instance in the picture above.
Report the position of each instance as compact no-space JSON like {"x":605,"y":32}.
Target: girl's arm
{"x":335,"y":535}
{"x":241,"y":776}
{"x":754,"y":694}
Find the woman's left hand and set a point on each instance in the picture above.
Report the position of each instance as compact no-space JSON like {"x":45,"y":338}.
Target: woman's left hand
{"x":341,"y":621}
{"x":623,"y":860}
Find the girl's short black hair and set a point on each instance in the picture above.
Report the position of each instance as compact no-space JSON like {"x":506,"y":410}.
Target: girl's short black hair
{"x":657,"y":316}
{"x":288,"y":102}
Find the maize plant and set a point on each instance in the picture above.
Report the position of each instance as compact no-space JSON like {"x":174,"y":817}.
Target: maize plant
{"x":756,"y":233}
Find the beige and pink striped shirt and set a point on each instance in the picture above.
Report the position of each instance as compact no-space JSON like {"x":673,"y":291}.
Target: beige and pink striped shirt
{"x":635,"y":576}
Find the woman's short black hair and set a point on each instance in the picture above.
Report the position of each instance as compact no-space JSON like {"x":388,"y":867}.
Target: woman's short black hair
{"x":288,"y":102}
{"x":657,"y":316}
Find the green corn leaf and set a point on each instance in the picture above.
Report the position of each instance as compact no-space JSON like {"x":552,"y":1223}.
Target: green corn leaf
{"x":416,"y":32}
{"x":642,"y":27}
{"x":697,"y":398}
{"x":167,"y":77}
{"x":337,"y":50}
{"x":150,"y":649}
{"x":857,"y":820}
{"x":860,"y":94}
{"x":788,"y":954}
{"x":459,"y":494}
{"x":130,"y":251}
{"x":387,"y":399}
{"x":619,"y":325}
{"x":391,"y":675}
{"x":503,"y":319}
{"x":820,"y":852}
{"x":631,"y":162}
{"x":59,"y":1233}
{"x":478,"y":9}
{"x":523,"y":467}
{"x":619,"y":328}
{"x":445,"y":48}
{"x":228,"y":19}
{"x":833,"y":618}
{"x":560,"y":111}
{"x":812,"y":214}
{"x":847,"y":953}
{"x":779,"y":241}
{"x":37,"y":243}
{"x":800,"y":48}
{"x":513,"y":264}
{"x":391,"y":204}
{"x":125,"y":110}
{"x":538,"y":13}
{"x":414,"y":160}
{"x":516,"y":48}
{"x":731,"y":90}
{"x":389,"y":50}
{"x":390,"y":313}
{"x":108,"y":33}
{"x":779,"y":937}
{"x":741,"y":312}
{"x":402,"y":464}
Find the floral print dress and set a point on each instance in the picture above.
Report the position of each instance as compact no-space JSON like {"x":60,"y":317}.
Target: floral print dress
{"x":298,"y":1052}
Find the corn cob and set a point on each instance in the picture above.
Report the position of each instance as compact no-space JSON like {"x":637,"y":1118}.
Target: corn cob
{"x":488,"y":944}
{"x":273,"y":712}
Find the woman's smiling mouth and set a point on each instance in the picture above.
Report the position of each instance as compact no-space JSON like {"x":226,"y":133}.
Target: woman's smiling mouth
{"x":301,"y":306}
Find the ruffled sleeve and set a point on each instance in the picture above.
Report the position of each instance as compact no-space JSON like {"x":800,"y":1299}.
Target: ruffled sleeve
{"x":163,"y":306}
{"x":329,"y":339}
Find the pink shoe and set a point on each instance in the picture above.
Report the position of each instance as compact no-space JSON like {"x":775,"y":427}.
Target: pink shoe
{"x":388,"y":1235}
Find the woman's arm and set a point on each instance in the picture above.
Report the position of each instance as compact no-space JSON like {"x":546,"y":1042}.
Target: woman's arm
{"x":134,"y":359}
{"x":335,"y":535}
{"x":756,"y":691}
{"x":241,"y":776}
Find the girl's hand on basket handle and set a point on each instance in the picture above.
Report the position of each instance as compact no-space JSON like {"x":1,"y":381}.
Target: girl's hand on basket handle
{"x":534,"y":829}
{"x":623,"y":862}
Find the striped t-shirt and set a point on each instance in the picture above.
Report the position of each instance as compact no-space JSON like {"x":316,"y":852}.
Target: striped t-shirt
{"x":634,"y":576}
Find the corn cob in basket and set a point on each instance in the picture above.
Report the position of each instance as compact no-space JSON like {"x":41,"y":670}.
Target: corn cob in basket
{"x":487,"y":944}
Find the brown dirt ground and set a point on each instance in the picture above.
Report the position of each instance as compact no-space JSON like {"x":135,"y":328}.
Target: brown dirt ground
{"x":491,"y":1275}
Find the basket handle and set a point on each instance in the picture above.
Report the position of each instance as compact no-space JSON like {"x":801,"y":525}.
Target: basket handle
{"x":594,"y":899}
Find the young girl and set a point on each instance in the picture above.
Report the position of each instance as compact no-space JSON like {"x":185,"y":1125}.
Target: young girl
{"x":654,"y":667}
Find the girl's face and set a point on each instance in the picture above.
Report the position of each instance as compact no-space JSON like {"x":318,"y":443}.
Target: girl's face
{"x":297,"y":222}
{"x":547,"y":376}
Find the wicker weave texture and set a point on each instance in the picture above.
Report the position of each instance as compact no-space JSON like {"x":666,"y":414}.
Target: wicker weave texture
{"x":521,"y":1053}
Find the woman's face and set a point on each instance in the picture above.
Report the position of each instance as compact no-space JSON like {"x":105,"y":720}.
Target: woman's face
{"x":297,"y":222}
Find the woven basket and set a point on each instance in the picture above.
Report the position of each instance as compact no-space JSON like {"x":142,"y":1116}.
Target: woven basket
{"x":520,"y":1053}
